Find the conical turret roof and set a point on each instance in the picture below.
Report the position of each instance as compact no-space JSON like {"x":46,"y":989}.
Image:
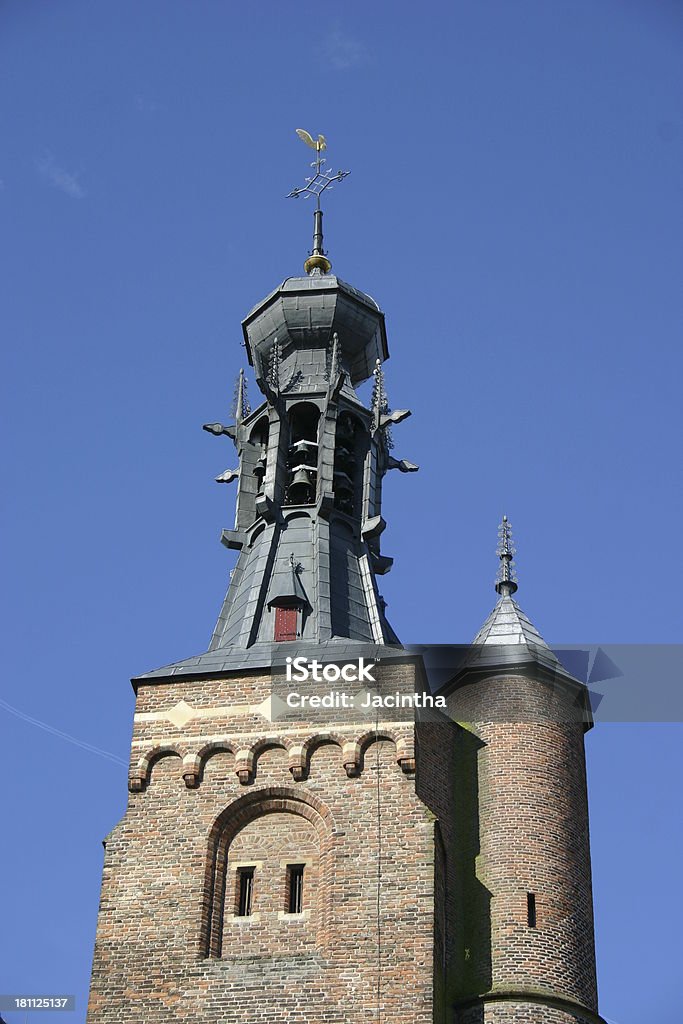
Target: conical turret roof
{"x":509,"y":636}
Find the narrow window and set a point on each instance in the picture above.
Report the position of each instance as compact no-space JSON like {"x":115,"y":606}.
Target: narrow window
{"x":531,"y":909}
{"x":245,"y":891}
{"x":286,"y":621}
{"x":295,"y":888}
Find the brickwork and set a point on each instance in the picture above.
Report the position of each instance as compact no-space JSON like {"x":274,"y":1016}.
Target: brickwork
{"x":472,"y":818}
{"x":530,"y":835}
{"x":436,"y":746}
{"x":509,"y":1012}
{"x":232,"y":788}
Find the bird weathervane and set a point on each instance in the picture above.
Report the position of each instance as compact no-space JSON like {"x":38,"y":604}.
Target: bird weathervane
{"x":315,"y":185}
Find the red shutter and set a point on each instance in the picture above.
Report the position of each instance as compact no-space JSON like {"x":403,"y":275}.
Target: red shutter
{"x":285,"y":623}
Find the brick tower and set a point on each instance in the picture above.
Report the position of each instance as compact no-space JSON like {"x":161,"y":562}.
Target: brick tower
{"x":524,"y":916}
{"x":332,"y":864}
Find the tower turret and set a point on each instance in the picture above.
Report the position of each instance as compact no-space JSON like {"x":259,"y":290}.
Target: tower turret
{"x":525,"y":904}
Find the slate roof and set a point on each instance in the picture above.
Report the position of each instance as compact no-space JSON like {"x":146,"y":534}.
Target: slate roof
{"x":508,"y":636}
{"x":266,"y":655}
{"x":304,"y":313}
{"x":288,"y":553}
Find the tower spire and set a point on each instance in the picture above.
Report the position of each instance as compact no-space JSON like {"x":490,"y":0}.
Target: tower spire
{"x":506,"y":585}
{"x":316,"y":184}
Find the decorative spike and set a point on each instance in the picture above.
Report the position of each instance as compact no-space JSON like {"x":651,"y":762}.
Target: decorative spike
{"x":241,"y":401}
{"x":274,"y":368}
{"x":506,"y":582}
{"x":380,"y":405}
{"x":379,"y":399}
{"x":334,"y":359}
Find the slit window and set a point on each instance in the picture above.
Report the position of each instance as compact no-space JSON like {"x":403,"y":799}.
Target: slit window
{"x":295,"y":888}
{"x":245,"y":891}
{"x":531,"y":909}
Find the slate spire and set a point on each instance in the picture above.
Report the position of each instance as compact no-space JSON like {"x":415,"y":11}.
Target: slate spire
{"x":508,"y":636}
{"x":311,"y":461}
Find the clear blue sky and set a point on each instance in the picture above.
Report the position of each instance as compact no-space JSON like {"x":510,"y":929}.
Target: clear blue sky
{"x":516,"y":207}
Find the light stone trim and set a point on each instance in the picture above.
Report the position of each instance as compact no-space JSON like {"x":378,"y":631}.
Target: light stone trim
{"x":307,"y":730}
{"x":182,"y":712}
{"x":282,"y":915}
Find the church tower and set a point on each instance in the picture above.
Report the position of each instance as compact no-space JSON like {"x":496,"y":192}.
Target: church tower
{"x":291,"y":857}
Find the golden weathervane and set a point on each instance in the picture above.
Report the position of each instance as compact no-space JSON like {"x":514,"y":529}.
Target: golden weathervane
{"x":315,"y":185}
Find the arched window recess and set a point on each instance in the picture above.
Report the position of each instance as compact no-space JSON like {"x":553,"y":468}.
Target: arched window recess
{"x":348,"y":457}
{"x":302,"y":454}
{"x":259,"y":437}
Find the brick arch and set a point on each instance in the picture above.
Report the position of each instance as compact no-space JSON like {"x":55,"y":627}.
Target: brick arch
{"x":374,"y":736}
{"x":260,"y":747}
{"x":320,"y":739}
{"x":215,"y":747}
{"x":228,"y":824}
{"x":272,"y":798}
{"x":268,"y":743}
{"x":194,"y":764}
{"x":141,"y":774}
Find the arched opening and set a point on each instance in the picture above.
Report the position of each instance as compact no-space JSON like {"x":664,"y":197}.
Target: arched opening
{"x":302,"y":454}
{"x":259,"y":438}
{"x":348,"y":459}
{"x":266,"y":870}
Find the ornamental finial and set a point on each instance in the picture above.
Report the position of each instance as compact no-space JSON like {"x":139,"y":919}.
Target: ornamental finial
{"x":317,"y":262}
{"x":382,"y":418}
{"x":241,"y":407}
{"x":506,"y":584}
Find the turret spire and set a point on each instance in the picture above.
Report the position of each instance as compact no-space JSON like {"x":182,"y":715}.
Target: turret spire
{"x":317,"y":262}
{"x":506,"y":584}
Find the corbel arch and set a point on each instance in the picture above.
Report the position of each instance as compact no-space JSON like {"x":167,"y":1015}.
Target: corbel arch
{"x":140,"y":773}
{"x":195,"y":764}
{"x":309,"y":747}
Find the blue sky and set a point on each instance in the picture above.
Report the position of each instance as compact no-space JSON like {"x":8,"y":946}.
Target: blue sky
{"x":516,"y":207}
